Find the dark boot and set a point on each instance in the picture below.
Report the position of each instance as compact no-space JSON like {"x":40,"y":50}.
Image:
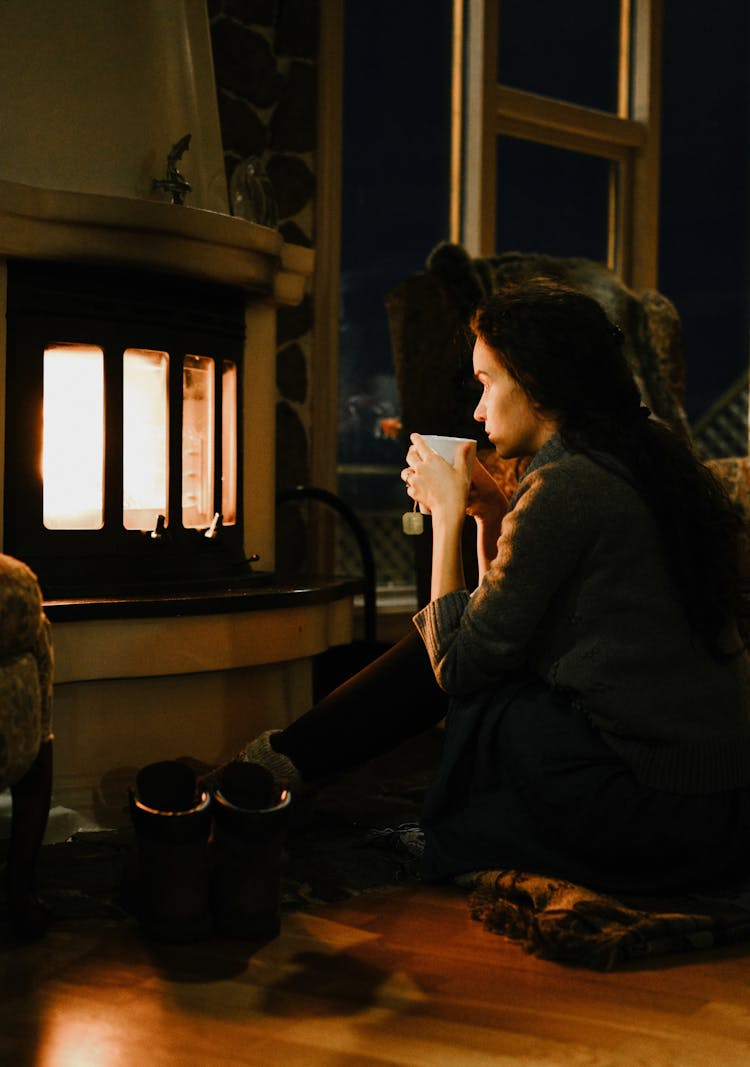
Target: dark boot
{"x":172,"y":821}
{"x":251,"y":813}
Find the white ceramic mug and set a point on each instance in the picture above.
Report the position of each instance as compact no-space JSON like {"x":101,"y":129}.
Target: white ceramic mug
{"x":446,"y":447}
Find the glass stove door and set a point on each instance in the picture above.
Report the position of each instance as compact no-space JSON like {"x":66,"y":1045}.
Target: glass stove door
{"x":73,"y":437}
{"x":145,"y":438}
{"x":198,"y":444}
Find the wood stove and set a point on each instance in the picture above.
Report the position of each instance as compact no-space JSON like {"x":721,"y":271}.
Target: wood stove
{"x":162,"y":628}
{"x":123,"y":457}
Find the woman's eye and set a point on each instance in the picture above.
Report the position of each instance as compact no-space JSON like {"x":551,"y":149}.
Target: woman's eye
{"x":481,"y":387}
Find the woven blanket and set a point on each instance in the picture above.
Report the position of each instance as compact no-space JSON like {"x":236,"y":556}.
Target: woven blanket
{"x":557,"y":920}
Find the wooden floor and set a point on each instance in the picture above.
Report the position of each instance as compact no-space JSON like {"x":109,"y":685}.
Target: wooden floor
{"x":396,"y":977}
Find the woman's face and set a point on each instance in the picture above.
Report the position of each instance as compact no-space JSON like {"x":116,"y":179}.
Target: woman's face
{"x":514,"y":426}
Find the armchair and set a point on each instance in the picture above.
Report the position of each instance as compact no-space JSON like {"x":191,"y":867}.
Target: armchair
{"x":26,"y":676}
{"x":427,"y":313}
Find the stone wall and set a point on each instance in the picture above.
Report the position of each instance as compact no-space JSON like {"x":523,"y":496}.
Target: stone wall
{"x":265,"y":60}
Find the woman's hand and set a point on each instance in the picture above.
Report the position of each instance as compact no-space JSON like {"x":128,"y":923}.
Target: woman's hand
{"x":436,"y":484}
{"x":444,"y":489}
{"x":486,"y":501}
{"x":488,"y":505}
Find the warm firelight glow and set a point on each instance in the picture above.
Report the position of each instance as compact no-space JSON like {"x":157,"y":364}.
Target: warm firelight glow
{"x":197,"y":442}
{"x":229,"y":443}
{"x":73,"y":437}
{"x":76,"y":1035}
{"x":145,"y":438}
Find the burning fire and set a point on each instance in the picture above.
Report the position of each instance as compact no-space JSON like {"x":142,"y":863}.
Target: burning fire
{"x":74,"y":439}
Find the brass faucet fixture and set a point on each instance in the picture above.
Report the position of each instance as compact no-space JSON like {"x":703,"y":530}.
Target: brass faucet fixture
{"x":174,"y":182}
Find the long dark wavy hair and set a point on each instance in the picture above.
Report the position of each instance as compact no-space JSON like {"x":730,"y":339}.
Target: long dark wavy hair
{"x":569,"y":359}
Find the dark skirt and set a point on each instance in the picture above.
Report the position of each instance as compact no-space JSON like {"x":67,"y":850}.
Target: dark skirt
{"x":527,"y":783}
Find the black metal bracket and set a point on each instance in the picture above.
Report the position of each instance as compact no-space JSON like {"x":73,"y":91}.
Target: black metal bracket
{"x":325,"y":496}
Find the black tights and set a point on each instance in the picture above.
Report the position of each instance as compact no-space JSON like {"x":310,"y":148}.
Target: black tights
{"x":389,"y":701}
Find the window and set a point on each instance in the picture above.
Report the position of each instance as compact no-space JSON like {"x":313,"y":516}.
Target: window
{"x":551,"y":200}
{"x":395,"y":205}
{"x":704,"y":217}
{"x":601,"y":111}
{"x":567,"y":51}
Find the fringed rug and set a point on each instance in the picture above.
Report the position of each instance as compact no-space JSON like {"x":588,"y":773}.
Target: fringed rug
{"x":557,"y":920}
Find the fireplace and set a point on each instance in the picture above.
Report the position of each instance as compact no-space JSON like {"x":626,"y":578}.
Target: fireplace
{"x":123,"y":469}
{"x":166,"y":629}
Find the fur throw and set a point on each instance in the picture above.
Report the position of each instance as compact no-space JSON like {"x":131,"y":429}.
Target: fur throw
{"x":557,"y":920}
{"x":649,"y":321}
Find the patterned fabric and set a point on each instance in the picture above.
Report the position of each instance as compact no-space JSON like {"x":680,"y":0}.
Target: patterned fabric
{"x":26,"y":670}
{"x":20,"y":707}
{"x":557,"y":920}
{"x":664,"y":333}
{"x":734,"y":473}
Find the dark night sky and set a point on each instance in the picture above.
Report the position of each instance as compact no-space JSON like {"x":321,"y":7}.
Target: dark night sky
{"x":704,"y":233}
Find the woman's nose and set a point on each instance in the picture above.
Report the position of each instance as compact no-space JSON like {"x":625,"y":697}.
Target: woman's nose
{"x":479,"y":412}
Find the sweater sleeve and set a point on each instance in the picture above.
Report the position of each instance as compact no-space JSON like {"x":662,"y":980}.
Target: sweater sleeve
{"x":474,"y":640}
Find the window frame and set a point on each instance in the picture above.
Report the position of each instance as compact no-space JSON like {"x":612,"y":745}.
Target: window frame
{"x":483,"y":109}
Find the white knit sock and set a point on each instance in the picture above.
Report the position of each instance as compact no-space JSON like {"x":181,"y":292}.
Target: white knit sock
{"x":259,"y":750}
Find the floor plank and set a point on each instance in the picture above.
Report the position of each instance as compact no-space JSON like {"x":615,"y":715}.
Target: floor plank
{"x":397,"y":977}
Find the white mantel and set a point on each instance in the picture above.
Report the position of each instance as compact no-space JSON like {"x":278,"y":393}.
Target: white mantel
{"x":41,"y":223}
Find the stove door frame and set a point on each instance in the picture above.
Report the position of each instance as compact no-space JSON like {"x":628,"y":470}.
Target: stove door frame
{"x":115,"y":309}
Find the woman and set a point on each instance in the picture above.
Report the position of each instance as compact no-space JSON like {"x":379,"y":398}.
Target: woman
{"x":598,"y":714}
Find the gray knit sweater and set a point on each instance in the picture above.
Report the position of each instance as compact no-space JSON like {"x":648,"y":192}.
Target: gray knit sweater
{"x":579,"y":593}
